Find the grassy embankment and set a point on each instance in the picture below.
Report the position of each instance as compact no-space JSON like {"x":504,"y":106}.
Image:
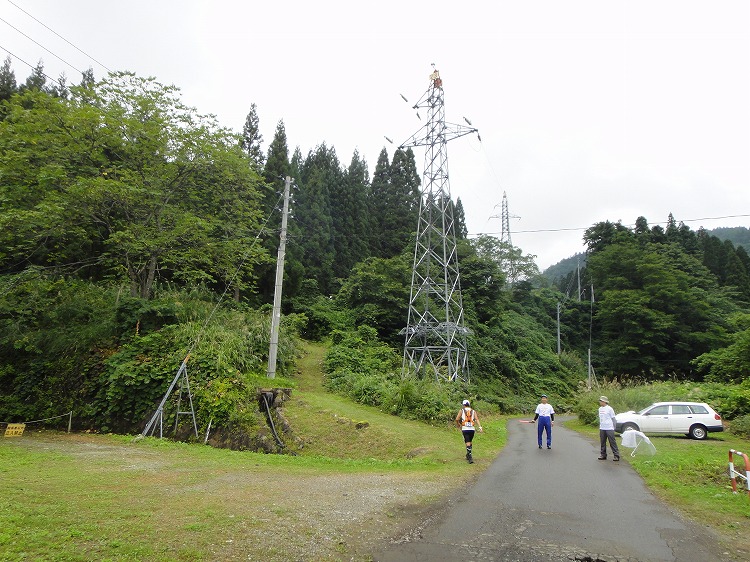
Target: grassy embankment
{"x":693,"y":476}
{"x":106,"y":497}
{"x":328,"y":424}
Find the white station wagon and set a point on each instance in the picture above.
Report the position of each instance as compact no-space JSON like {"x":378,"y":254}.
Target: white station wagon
{"x":694,"y":419}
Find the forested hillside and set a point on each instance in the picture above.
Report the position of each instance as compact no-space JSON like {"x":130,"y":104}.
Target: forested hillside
{"x":739,"y":235}
{"x":135,"y":231}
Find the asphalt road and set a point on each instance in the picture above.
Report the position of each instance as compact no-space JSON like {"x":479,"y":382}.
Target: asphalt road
{"x":554,"y":505}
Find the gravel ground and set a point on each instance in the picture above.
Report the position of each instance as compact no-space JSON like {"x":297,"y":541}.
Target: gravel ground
{"x":260,"y":512}
{"x":345,"y":517}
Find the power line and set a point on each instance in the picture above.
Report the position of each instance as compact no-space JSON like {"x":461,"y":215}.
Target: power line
{"x":61,"y":37}
{"x":31,"y":66}
{"x":42,"y":46}
{"x":587,"y":227}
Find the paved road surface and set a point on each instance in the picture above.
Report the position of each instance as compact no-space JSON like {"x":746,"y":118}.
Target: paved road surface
{"x":555,"y":505}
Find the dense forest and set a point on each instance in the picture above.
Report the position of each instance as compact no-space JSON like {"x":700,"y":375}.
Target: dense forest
{"x":136,"y":232}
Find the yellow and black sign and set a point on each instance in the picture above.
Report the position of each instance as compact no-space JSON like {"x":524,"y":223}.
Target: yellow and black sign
{"x":15,"y":429}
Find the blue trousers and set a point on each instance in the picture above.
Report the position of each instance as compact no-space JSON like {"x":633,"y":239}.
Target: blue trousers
{"x":544,"y":423}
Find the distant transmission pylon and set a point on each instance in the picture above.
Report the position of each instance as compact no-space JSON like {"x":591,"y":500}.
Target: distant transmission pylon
{"x":505,"y":217}
{"x":435,"y":336}
{"x":505,"y":237}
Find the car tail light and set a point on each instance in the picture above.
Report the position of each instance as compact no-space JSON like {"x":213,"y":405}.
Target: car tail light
{"x":717,"y":417}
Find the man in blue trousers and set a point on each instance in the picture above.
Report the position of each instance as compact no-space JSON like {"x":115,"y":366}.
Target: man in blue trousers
{"x":545,"y":413}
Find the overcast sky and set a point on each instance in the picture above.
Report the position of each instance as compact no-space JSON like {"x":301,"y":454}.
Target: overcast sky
{"x":588,"y":110}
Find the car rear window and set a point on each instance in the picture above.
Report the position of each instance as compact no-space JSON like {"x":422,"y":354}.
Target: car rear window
{"x":681,"y":409}
{"x":699,"y":409}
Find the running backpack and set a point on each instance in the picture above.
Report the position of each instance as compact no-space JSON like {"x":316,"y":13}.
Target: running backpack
{"x":467,"y":422}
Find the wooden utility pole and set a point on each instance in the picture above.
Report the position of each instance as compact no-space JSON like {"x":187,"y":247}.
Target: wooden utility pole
{"x":276,"y":314}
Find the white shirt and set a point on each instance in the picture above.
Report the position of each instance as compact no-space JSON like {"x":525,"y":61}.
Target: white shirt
{"x":544,"y":410}
{"x":606,"y":417}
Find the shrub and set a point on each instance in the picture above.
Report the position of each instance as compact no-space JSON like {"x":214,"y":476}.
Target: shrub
{"x":741,"y":426}
{"x":424,"y":400}
{"x":730,"y":401}
{"x":365,"y":369}
{"x":586,"y":406}
{"x":224,"y":356}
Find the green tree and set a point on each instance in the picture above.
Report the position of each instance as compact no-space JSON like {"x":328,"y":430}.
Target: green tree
{"x":603,"y":234}
{"x":135,"y":183}
{"x":735,"y":274}
{"x":395,"y":203}
{"x":398,"y":218}
{"x":381,"y":179}
{"x":688,"y":240}
{"x":459,"y":216}
{"x":739,"y":235}
{"x":251,"y":137}
{"x":730,"y":364}
{"x":59,"y":88}
{"x":672,"y":229}
{"x":657,"y":309}
{"x":714,"y":256}
{"x":350,"y":217}
{"x":319,"y":172}
{"x":510,"y":259}
{"x":164,"y":216}
{"x":275,"y":171}
{"x":87,"y":79}
{"x":8,"y":85}
{"x":46,"y":146}
{"x":37,"y":80}
{"x":482,"y":280}
{"x":641,"y":229}
{"x":377,"y":292}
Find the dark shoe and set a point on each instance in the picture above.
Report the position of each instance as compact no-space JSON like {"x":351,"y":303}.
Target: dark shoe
{"x":549,"y":446}
{"x":616,"y":459}
{"x":540,"y":446}
{"x":471,"y":461}
{"x":602,"y":458}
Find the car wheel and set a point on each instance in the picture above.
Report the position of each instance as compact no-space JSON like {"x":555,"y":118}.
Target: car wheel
{"x":629,"y":426}
{"x":698,"y":432}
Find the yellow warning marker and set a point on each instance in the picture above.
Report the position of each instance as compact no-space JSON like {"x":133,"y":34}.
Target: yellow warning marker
{"x":15,"y":429}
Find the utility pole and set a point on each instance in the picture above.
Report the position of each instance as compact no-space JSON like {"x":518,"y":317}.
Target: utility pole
{"x":591,"y":321}
{"x":435,"y":336}
{"x":276,"y":314}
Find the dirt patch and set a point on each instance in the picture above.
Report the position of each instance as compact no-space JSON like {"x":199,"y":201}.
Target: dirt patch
{"x":250,"y":506}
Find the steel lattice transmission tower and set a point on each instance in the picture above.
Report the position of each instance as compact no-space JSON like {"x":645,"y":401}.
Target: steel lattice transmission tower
{"x":505,"y":237}
{"x":435,"y":336}
{"x":505,"y":219}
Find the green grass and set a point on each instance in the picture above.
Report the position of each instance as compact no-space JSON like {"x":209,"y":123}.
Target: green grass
{"x":106,"y":497}
{"x":76,"y":497}
{"x":694,"y":477}
{"x":102,"y":497}
{"x":327,"y":424}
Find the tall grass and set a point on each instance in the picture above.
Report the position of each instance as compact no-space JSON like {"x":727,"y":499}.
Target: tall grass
{"x":730,"y":401}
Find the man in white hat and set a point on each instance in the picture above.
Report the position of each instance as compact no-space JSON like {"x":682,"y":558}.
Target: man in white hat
{"x":466,"y":420}
{"x":607,"y":430}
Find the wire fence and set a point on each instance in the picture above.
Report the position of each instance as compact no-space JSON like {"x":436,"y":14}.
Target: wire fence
{"x":15,"y":429}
